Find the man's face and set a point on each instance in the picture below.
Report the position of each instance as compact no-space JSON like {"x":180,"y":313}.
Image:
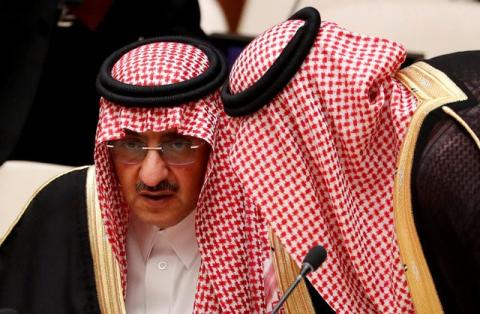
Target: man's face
{"x":158,"y":190}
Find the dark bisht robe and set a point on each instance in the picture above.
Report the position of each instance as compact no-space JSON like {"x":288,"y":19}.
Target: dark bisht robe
{"x":445,"y":184}
{"x":46,"y":261}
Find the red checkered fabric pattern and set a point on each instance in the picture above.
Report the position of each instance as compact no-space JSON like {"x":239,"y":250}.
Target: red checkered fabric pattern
{"x":144,"y":66}
{"x":232,"y":239}
{"x":154,"y":64}
{"x":317,"y":165}
{"x":272,"y":292}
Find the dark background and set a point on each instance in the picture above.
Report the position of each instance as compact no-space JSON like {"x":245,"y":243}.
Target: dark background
{"x":51,"y":53}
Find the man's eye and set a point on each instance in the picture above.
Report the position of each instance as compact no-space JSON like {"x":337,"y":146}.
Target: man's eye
{"x":132,"y":145}
{"x":178,"y":145}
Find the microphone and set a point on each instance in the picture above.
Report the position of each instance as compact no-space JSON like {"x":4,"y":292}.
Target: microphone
{"x":314,"y":258}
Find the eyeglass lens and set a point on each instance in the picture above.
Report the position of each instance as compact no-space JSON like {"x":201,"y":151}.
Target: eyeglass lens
{"x":178,"y":151}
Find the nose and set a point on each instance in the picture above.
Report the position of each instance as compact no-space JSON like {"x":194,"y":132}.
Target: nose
{"x":153,"y":169}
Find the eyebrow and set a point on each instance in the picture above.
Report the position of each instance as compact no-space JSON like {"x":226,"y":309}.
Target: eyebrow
{"x":169,"y":132}
{"x":130,"y":132}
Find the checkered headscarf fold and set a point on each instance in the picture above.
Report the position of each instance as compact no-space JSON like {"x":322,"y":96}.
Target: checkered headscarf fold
{"x":152,"y":85}
{"x":316,"y":163}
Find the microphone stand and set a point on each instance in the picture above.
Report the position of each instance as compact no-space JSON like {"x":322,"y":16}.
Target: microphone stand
{"x":306,"y":268}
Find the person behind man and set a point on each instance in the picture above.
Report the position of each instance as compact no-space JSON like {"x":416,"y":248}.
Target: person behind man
{"x":120,"y":236}
{"x":309,"y":157}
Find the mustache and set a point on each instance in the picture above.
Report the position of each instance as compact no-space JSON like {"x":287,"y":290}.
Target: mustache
{"x":162,"y":186}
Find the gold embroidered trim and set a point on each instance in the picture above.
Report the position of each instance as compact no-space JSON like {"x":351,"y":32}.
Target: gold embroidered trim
{"x":20,"y":214}
{"x":463,"y":123}
{"x":287,"y":271}
{"x":106,"y":268}
{"x":432,"y":88}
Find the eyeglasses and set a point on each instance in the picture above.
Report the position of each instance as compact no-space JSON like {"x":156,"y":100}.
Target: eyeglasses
{"x":178,"y":151}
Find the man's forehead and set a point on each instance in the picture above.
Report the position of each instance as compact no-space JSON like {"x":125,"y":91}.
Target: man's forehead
{"x":147,"y":133}
{"x":154,"y":134}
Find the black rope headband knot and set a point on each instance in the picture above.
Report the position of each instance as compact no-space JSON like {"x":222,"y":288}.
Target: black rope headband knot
{"x":280,"y":73}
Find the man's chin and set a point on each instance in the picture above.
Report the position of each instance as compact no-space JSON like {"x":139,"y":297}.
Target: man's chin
{"x":160,"y":218}
{"x":154,"y":219}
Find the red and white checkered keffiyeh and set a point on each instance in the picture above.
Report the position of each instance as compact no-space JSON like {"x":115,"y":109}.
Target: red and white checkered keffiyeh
{"x":316,"y":164}
{"x":153,"y":64}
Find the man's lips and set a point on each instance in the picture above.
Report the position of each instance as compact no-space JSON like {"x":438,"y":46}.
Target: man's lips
{"x":156,"y":196}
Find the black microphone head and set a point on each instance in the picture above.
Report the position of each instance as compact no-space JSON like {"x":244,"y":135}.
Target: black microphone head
{"x":315,"y":257}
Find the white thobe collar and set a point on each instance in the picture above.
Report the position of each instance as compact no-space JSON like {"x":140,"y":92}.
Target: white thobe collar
{"x":180,"y":236}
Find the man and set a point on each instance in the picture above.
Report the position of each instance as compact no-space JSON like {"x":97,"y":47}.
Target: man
{"x":310,"y":155}
{"x":120,"y":237}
